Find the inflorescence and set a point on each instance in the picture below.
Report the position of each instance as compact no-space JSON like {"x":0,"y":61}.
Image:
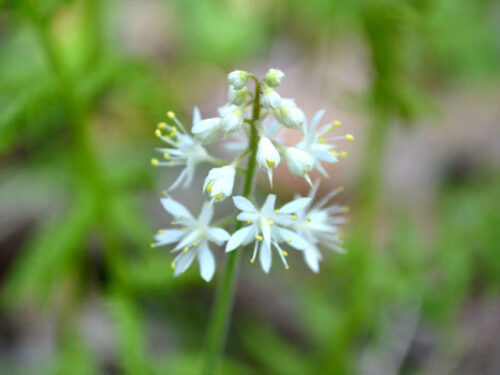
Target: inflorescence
{"x":299,"y":225}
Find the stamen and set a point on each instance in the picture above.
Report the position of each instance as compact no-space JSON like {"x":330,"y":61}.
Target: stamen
{"x":276,"y":210}
{"x":183,"y":228}
{"x":208,"y":188}
{"x":258,"y":238}
{"x":154,"y":162}
{"x":218,"y":197}
{"x":172,"y":265}
{"x":270,"y":222}
{"x":166,"y":155}
{"x":270,"y":163}
{"x":345,"y":209}
{"x":308,"y":219}
{"x":343,"y":154}
{"x":152,"y":245}
{"x":334,"y":153}
{"x":349,"y":137}
{"x":160,"y":231}
{"x":173,"y":222}
{"x":186,"y":249}
{"x":249,"y":221}
{"x":285,"y":253}
{"x":337,"y":123}
{"x":164,"y":192}
{"x":294,"y":217}
{"x":289,"y":240}
{"x":170,"y":114}
{"x":195,"y":244}
{"x":254,"y":253}
{"x":158,"y":133}
{"x":162,"y":125}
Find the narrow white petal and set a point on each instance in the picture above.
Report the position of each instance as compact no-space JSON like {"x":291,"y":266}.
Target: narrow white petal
{"x":245,"y":216}
{"x":244,"y":204}
{"x":265,"y":257}
{"x":316,"y":119}
{"x":312,"y":258}
{"x":266,"y":232}
{"x":207,"y":262}
{"x":184,"y":260}
{"x":294,"y":239}
{"x":168,"y":236}
{"x":269,"y":203}
{"x":218,"y":235}
{"x":175,"y":208}
{"x":196,"y":115}
{"x":179,"y":180}
{"x":295,"y":205}
{"x":206,"y":213}
{"x":238,"y":238}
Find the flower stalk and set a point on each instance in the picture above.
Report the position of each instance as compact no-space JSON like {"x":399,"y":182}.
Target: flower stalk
{"x":219,"y":320}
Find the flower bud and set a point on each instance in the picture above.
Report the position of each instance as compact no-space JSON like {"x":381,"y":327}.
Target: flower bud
{"x":237,"y":97}
{"x":274,"y":77}
{"x":207,"y":130}
{"x":267,"y":157}
{"x":231,"y":118}
{"x":290,"y":115}
{"x":219,"y":182}
{"x":237,"y":79}
{"x":299,"y":162}
{"x":271,"y":99}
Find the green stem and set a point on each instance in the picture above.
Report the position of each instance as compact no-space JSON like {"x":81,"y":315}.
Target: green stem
{"x":219,"y":322}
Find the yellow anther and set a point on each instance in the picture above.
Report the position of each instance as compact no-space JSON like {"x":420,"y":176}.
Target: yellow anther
{"x":337,"y":123}
{"x":346,"y":208}
{"x":294,"y":217}
{"x":218,"y":197}
{"x":285,"y":253}
{"x":170,"y":114}
{"x":287,"y":267}
{"x":152,"y":245}
{"x":289,"y":240}
{"x":186,"y":249}
{"x":252,"y":261}
{"x":276,"y":210}
{"x":308,"y":219}
{"x":160,"y":231}
{"x":208,"y":188}
{"x":162,"y":125}
{"x":341,"y":189}
{"x":173,"y":222}
{"x":158,"y":132}
{"x":173,"y":132}
{"x":270,"y":222}
{"x":183,"y":228}
{"x":166,"y":155}
{"x":321,"y":138}
{"x":343,"y":154}
{"x":181,"y":217}
{"x":270,"y":163}
{"x":249,"y":221}
{"x":172,"y":265}
{"x":349,"y":137}
{"x":329,"y":128}
{"x":183,"y":271}
{"x":334,"y":153}
{"x":164,"y":192}
{"x":154,"y":162}
{"x":258,"y":238}
{"x":195,"y":244}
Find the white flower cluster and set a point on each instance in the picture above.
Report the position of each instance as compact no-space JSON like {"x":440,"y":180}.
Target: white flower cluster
{"x":298,"y":225}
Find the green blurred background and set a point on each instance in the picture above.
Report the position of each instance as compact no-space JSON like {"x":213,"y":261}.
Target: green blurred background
{"x":83,"y":84}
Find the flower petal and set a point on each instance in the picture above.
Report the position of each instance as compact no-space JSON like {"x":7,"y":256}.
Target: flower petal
{"x":206,"y":213}
{"x":175,"y":208}
{"x":265,"y":257}
{"x":293,"y":239}
{"x":184,"y":260}
{"x":218,"y":235}
{"x":244,"y":204}
{"x":269,"y":203}
{"x":207,"y":262}
{"x":312,"y":257}
{"x":295,"y":205}
{"x":196,"y":115}
{"x":168,"y":236}
{"x":238,"y":238}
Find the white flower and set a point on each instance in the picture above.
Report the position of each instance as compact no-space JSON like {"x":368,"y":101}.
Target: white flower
{"x":318,"y":226}
{"x":219,"y":182}
{"x":271,"y":99}
{"x":237,"y":79}
{"x":266,"y":227}
{"x":299,"y":162}
{"x":183,"y":150}
{"x":192,"y":238}
{"x":206,"y":130}
{"x":237,"y":97}
{"x":274,"y":77}
{"x":320,"y":147}
{"x":231,"y":118}
{"x":289,"y":114}
{"x":267,"y":157}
